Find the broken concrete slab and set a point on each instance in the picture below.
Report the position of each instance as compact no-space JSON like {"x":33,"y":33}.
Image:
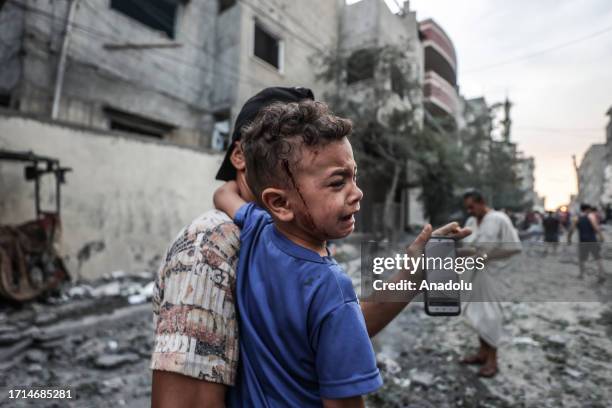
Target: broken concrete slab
{"x":115,"y":360}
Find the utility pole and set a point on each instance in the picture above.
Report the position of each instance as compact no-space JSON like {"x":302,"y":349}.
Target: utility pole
{"x":577,"y":170}
{"x":341,"y":9}
{"x":507,"y":122}
{"x":61,"y":66}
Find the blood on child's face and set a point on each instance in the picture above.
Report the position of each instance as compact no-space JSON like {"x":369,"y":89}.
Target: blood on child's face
{"x":326,"y":196}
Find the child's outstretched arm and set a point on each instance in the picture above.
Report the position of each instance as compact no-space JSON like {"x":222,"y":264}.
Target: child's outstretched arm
{"x":227,"y":198}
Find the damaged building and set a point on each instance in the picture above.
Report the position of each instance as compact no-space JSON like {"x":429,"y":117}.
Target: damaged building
{"x":174,"y":70}
{"x":137,"y":97}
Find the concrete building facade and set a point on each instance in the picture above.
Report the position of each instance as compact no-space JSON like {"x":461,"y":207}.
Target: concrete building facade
{"x":367,"y":27}
{"x":525,"y":171}
{"x":170,"y":69}
{"x":269,"y":43}
{"x":591,"y":175}
{"x":121,"y":73}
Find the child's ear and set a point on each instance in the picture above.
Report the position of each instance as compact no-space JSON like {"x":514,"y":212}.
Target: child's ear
{"x":237,"y":157}
{"x":277,"y":202}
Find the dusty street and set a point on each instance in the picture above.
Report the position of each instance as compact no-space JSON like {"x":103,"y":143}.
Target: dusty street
{"x":96,"y":341}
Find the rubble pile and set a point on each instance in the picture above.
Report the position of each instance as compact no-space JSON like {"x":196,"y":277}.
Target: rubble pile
{"x":555,"y":353}
{"x":96,"y":340}
{"x":93,"y":339}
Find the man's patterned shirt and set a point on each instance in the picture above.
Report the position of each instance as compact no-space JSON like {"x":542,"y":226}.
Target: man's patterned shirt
{"x":196,"y":331}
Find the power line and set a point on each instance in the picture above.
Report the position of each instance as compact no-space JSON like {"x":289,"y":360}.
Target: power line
{"x":97,"y":34}
{"x":538,"y":53}
{"x":112,"y":69}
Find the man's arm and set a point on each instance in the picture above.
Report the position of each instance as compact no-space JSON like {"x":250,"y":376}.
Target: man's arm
{"x":227,"y":198}
{"x":172,"y":390}
{"x":379,"y":314}
{"x":184,"y":374}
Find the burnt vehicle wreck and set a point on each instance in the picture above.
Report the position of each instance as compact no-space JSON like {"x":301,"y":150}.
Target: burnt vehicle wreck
{"x":30,"y":263}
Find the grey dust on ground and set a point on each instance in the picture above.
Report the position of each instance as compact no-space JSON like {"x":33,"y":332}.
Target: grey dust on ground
{"x":96,"y":340}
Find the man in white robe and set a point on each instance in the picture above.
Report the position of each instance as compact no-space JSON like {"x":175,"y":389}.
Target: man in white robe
{"x":495,"y":239}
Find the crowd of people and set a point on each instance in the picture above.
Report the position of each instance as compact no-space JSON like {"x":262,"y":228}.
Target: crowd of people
{"x":554,"y":227}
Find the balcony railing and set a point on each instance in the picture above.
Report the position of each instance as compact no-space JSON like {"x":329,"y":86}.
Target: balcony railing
{"x":438,"y":91}
{"x":437,"y":38}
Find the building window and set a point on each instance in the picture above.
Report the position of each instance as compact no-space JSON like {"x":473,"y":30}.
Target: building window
{"x":157,"y":14}
{"x":226,"y":4}
{"x":221,"y":131}
{"x":267,"y":47}
{"x":130,"y":123}
{"x":360,"y":66}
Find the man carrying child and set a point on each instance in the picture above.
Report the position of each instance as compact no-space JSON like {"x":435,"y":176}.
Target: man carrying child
{"x":302,"y":329}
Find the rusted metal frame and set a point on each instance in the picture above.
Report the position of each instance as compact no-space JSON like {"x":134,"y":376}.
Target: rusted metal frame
{"x":53,"y":166}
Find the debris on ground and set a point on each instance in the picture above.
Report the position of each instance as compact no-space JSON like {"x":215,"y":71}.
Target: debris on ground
{"x":96,"y":339}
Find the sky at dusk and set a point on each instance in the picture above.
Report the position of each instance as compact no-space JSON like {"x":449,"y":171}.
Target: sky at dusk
{"x":561,"y":92}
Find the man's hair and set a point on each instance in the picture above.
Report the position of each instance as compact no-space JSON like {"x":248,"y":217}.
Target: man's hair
{"x":474,"y":195}
{"x":585,"y":207}
{"x":271,"y":143}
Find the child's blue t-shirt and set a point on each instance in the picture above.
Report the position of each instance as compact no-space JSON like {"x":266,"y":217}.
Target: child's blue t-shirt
{"x":302,"y":333}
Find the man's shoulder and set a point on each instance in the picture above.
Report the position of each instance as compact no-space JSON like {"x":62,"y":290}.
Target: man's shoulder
{"x":471,"y":220}
{"x":500,"y":216}
{"x":209,"y":220}
{"x":213,"y":223}
{"x":213,"y":230}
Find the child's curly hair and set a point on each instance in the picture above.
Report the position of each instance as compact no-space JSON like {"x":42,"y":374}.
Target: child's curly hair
{"x":272,"y":142}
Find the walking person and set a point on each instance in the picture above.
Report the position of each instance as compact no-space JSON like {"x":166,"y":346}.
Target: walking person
{"x":590,"y":238}
{"x":552,"y":227}
{"x":494,"y":238}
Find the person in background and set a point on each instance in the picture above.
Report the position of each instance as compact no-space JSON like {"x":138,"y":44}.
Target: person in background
{"x":590,"y":238}
{"x":551,"y":226}
{"x":494,"y":239}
